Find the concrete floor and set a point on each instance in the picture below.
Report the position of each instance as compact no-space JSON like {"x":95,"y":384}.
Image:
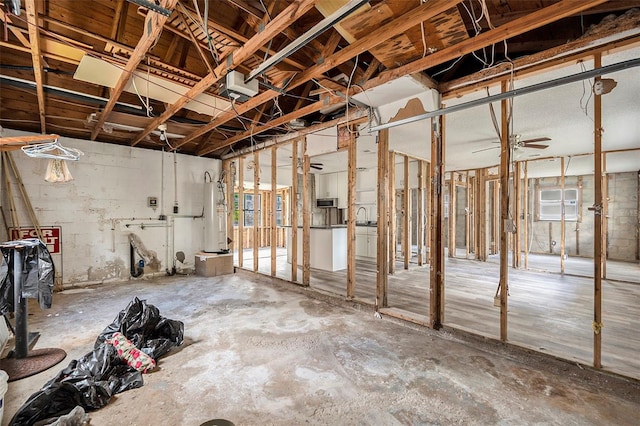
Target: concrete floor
{"x":263,"y":352}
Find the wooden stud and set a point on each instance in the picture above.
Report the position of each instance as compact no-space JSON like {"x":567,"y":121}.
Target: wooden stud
{"x":428,"y":203}
{"x":605,"y":212}
{"x":436,"y":284}
{"x":351,"y":214}
{"x":15,"y":222}
{"x":295,"y":196}
{"x":597,"y":203}
{"x":517,"y":188}
{"x":452,"y":215}
{"x":420,"y":213}
{"x":306,"y":217}
{"x":526,"y":214}
{"x":240,"y":245}
{"x":274,"y":215}
{"x":393,"y":214}
{"x":562,"y":216}
{"x":382,"y":220}
{"x":467,"y":216}
{"x":229,"y":205}
{"x":257,"y":214}
{"x":505,"y":160}
{"x":406,"y":217}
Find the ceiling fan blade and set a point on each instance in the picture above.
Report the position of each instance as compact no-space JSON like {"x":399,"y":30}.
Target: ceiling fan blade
{"x":317,"y":167}
{"x":484,"y":149}
{"x":535,"y":146}
{"x":543,"y":139}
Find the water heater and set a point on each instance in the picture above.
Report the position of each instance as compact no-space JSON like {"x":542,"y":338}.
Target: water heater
{"x":215,"y":218}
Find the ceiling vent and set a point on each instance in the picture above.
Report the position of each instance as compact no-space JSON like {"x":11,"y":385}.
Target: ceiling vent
{"x":235,"y":87}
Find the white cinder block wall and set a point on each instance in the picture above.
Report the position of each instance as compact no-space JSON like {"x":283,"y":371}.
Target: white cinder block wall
{"x":109,"y":191}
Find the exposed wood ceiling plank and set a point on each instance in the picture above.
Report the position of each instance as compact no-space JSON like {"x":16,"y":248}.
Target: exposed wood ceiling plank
{"x":371,"y":70}
{"x":284,"y":119}
{"x":16,"y":31}
{"x":241,"y":4}
{"x":149,"y":37}
{"x":397,"y":26}
{"x":34,"y":40}
{"x":119,"y":19}
{"x":284,"y":19}
{"x":534,"y":20}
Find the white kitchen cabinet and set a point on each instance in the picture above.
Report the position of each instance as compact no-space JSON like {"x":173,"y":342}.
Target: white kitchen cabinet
{"x":342,"y":183}
{"x":327,"y":185}
{"x":366,"y":242}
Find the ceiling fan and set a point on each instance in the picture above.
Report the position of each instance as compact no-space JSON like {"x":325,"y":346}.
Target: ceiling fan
{"x":517,"y":143}
{"x":317,"y":166}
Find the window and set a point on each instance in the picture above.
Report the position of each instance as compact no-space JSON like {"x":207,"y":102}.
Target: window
{"x":249,"y":205}
{"x":279,"y":210}
{"x":550,"y":204}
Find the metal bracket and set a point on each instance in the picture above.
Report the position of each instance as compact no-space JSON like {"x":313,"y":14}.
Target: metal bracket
{"x":152,"y":6}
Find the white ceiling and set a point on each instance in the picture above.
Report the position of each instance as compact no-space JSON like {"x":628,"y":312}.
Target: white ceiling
{"x":564,"y":113}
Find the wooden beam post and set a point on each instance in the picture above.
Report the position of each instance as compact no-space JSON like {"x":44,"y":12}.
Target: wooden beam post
{"x":436,"y":281}
{"x":393,"y":214}
{"x":526,"y":214}
{"x":605,"y":212}
{"x":420,"y":213}
{"x":382,"y":251}
{"x":295,"y":196}
{"x":306,"y":217}
{"x":597,"y":207}
{"x":562,"y":216}
{"x":257,"y":214}
{"x":351,"y":214}
{"x":452,"y":215}
{"x":467,"y":216}
{"x":240,"y":244}
{"x":34,"y":41}
{"x":406,"y":207}
{"x":505,"y":160}
{"x":274,"y":216}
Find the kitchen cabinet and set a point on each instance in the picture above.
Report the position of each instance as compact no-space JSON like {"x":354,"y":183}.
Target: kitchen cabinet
{"x":366,"y":242}
{"x":327,"y":185}
{"x":342,"y":183}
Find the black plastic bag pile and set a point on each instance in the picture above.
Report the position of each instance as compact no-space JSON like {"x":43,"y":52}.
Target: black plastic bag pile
{"x":92,"y":380}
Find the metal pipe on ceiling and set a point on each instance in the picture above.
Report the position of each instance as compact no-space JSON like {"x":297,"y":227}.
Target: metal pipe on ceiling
{"x":305,"y":38}
{"x":513,"y":93}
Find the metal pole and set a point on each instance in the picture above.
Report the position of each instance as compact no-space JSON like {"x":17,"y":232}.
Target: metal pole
{"x":20,"y":307}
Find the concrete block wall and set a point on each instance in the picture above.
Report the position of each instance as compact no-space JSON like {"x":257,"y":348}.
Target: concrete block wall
{"x":107,"y":200}
{"x":622,"y":216}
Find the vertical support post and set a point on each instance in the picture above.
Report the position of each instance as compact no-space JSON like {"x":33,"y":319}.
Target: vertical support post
{"x":597,"y":244}
{"x":240,"y":244}
{"x":562,"y":216}
{"x":20,"y":304}
{"x":295,"y":195}
{"x":274,"y":195}
{"x":230,"y":182}
{"x":467,"y":216}
{"x":436,"y":282}
{"x":505,"y":160}
{"x":382,"y":252}
{"x":406,"y":207}
{"x":605,"y":212}
{"x":256,"y":213}
{"x":428,"y":203}
{"x":452,"y":215}
{"x":351,"y":215}
{"x":420,"y":213}
{"x":306,"y":217}
{"x":517,"y":241}
{"x":393,"y":216}
{"x":526,"y":214}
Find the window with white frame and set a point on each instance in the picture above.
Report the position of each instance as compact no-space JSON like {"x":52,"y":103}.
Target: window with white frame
{"x":550,"y":204}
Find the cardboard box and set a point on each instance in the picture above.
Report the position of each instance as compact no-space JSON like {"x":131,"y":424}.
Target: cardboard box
{"x":212,"y":265}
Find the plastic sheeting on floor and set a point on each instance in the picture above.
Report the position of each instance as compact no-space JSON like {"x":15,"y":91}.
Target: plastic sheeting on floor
{"x":92,"y":380}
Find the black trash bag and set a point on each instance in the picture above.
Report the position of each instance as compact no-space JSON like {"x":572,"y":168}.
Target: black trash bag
{"x":142,"y":324}
{"x":89,"y":382}
{"x":92,"y":380}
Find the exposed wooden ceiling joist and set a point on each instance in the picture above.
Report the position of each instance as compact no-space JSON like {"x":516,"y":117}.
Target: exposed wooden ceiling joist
{"x":284,"y":19}
{"x":34,"y":40}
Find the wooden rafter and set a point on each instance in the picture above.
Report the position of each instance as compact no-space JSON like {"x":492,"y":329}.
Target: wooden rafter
{"x":204,"y":57}
{"x":148,"y":39}
{"x":284,"y":19}
{"x":16,"y":31}
{"x":241,"y":4}
{"x":34,"y":41}
{"x":397,"y":26}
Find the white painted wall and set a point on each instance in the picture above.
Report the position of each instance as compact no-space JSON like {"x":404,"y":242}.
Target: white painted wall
{"x":111,"y":187}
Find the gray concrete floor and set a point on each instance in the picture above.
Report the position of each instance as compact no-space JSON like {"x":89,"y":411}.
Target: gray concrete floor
{"x":263,"y":352}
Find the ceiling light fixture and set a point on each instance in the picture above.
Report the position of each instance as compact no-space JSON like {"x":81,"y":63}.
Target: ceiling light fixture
{"x":305,"y":38}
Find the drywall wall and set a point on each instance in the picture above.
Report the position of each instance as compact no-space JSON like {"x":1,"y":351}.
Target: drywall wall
{"x":107,"y":201}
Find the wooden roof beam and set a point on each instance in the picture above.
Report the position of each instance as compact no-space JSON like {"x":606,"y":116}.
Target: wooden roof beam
{"x":145,"y":43}
{"x":391,"y":29}
{"x":289,"y":15}
{"x":204,"y":57}
{"x":283,"y":119}
{"x":34,"y":41}
{"x":16,"y":31}
{"x":516,"y":27}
